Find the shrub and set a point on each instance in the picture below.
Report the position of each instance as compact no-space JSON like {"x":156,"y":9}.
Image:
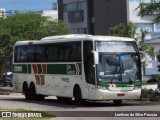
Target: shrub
{"x":152,"y":95}
{"x":156,"y":76}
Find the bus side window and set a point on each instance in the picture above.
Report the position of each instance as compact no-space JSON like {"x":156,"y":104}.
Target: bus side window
{"x":61,"y":52}
{"x":41,"y":56}
{"x":16,"y":54}
{"x":50,"y":53}
{"x":32,"y":53}
{"x":23,"y":53}
{"x":55,"y":54}
{"x":75,"y":52}
{"x":66,"y":52}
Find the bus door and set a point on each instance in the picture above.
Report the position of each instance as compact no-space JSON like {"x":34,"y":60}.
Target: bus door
{"x":90,"y":77}
{"x":89,"y":68}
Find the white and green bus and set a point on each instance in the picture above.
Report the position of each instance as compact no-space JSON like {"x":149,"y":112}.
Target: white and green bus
{"x":83,"y":67}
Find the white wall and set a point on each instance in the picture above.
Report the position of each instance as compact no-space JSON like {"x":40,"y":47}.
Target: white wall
{"x":2,"y":10}
{"x":50,"y":13}
{"x":135,"y":18}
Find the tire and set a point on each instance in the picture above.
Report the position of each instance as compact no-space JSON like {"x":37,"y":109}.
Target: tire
{"x":78,"y":96}
{"x":26,"y":92}
{"x":32,"y":92}
{"x":117,"y":102}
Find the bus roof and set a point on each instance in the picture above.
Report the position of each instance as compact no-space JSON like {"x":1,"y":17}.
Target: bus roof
{"x":74,"y":37}
{"x":86,"y":36}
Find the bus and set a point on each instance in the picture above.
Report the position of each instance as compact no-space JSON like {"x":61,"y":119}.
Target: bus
{"x":78,"y":67}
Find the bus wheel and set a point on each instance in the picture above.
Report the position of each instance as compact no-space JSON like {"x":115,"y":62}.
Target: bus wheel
{"x":78,"y":96}
{"x":117,"y":102}
{"x":26,"y":92}
{"x":32,"y":91}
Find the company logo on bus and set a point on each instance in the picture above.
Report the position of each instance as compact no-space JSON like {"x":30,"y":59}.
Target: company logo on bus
{"x":72,"y":71}
{"x":17,"y":68}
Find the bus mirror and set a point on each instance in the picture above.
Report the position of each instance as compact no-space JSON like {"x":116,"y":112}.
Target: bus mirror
{"x":95,"y":57}
{"x":144,"y":58}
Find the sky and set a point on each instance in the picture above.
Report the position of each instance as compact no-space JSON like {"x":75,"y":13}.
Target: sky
{"x":25,"y":5}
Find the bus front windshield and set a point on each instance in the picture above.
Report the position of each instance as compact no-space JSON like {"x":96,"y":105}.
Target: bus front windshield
{"x":119,"y":67}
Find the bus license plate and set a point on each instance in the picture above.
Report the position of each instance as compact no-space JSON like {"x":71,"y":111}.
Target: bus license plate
{"x":120,"y":94}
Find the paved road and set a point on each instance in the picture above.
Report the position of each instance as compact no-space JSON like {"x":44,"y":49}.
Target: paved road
{"x":17,"y":101}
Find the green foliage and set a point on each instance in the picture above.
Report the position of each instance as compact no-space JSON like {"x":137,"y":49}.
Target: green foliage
{"x":147,"y":48}
{"x":25,"y":26}
{"x":123,"y":30}
{"x":156,"y":76}
{"x":152,"y":95}
{"x":149,"y":9}
{"x":158,"y":56}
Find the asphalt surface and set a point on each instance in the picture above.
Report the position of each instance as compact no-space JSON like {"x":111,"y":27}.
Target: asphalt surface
{"x":16,"y":101}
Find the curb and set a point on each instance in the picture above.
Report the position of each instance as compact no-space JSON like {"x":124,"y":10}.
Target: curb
{"x":4,"y":93}
{"x":16,"y":94}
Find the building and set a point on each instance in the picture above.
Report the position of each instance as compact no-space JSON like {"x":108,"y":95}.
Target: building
{"x":92,"y":16}
{"x":153,"y":36}
{"x":53,"y":14}
{"x":98,"y":16}
{"x":2,"y":12}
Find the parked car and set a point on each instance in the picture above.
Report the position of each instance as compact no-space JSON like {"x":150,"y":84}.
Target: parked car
{"x":6,"y":79}
{"x":1,"y":80}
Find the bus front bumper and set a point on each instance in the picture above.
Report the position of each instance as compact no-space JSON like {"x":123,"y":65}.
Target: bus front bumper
{"x":117,"y":95}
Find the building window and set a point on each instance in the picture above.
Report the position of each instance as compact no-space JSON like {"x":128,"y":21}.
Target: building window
{"x":134,"y":1}
{"x":75,"y":16}
{"x":146,"y":1}
{"x":157,"y":27}
{"x":144,"y":26}
{"x":78,"y":31}
{"x":75,"y":6}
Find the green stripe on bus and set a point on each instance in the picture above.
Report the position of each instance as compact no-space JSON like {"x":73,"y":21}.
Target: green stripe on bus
{"x":104,"y":84}
{"x":67,"y":69}
{"x":137,"y":83}
{"x":39,"y":68}
{"x":29,"y":68}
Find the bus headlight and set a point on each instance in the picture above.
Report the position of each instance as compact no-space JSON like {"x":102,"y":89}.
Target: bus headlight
{"x":137,"y":88}
{"x":103,"y":88}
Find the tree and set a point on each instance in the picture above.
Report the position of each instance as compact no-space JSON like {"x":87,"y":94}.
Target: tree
{"x":25,"y":26}
{"x":150,"y":8}
{"x":158,"y":58}
{"x":123,"y":30}
{"x":129,"y":30}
